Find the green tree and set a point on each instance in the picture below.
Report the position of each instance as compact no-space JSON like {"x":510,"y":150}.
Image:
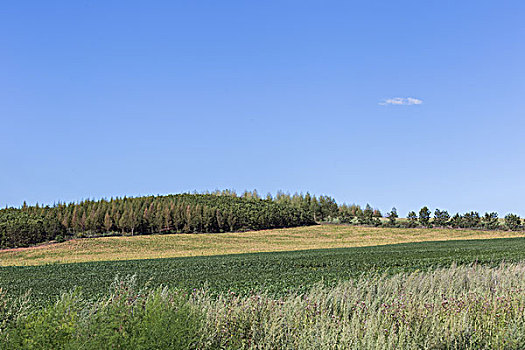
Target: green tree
{"x":108,"y":222}
{"x":424,"y":217}
{"x":441,"y":218}
{"x":128,"y":222}
{"x":489,"y":221}
{"x":412,"y":219}
{"x":392,"y":216}
{"x":456,"y":221}
{"x":368,"y":215}
{"x":471,"y":220}
{"x":346,"y":214}
{"x":377,"y":213}
{"x":328,"y":207}
{"x":513,"y":222}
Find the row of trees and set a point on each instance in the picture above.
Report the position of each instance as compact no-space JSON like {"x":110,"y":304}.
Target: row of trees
{"x":441,"y":218}
{"x":220,"y":211}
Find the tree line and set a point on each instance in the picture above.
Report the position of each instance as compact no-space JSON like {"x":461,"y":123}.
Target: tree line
{"x":441,"y":218}
{"x":220,"y":211}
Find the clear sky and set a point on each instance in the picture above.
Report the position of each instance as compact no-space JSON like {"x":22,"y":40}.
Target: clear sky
{"x":392,"y":103}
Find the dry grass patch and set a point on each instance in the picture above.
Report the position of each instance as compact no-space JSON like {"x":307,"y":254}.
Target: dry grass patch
{"x":179,"y":245}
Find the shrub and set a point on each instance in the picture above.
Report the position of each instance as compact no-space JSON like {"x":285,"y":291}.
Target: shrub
{"x":127,"y":319}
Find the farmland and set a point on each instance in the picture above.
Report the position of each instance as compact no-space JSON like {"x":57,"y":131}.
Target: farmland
{"x":274,"y":273}
{"x":460,"y":307}
{"x":187,"y":245}
{"x":323,"y":287}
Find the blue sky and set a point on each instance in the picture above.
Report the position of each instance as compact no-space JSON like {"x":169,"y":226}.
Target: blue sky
{"x":113,"y":98}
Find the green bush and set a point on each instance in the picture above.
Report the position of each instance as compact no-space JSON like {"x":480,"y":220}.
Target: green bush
{"x":127,"y":319}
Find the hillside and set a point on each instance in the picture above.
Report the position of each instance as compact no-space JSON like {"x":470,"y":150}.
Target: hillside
{"x":184,"y":245}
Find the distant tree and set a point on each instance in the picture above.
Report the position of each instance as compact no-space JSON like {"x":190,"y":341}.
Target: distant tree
{"x":360,"y":216}
{"x":471,"y":220}
{"x":108,"y":222}
{"x":75,"y":220}
{"x":83,"y":222}
{"x":412,"y":219}
{"x":366,"y":216}
{"x":489,"y":221}
{"x":377,"y":213}
{"x":513,"y":222}
{"x":52,"y":225}
{"x":328,"y":207}
{"x":424,"y":217}
{"x":315,"y":209}
{"x":346,"y":214}
{"x":128,"y":221}
{"x":232,"y":221}
{"x":392,"y":216}
{"x":221,"y":220}
{"x":208,"y":219}
{"x":251,"y":194}
{"x":456,"y":221}
{"x":441,"y":218}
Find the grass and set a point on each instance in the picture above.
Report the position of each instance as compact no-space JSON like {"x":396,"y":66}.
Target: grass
{"x":276,"y":273}
{"x":465,"y":307}
{"x":447,"y":289}
{"x":185,"y":245}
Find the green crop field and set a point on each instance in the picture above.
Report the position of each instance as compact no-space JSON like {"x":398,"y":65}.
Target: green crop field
{"x":277,"y":272}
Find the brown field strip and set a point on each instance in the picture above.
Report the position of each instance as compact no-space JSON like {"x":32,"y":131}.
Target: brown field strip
{"x":180,"y":245}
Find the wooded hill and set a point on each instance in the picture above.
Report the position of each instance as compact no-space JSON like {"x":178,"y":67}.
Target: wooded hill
{"x":221,"y":211}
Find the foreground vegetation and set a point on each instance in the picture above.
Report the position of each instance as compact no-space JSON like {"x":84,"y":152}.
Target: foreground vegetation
{"x":173,"y":245}
{"x":472,"y":307}
{"x":274,"y":273}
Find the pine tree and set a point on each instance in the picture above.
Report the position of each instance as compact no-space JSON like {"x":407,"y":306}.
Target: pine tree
{"x":424,"y":217}
{"x":368,"y":215}
{"x":471,"y":220}
{"x":489,"y":221}
{"x":412,"y":219}
{"x":441,"y":218}
{"x":513,"y":222}
{"x":392,"y":216}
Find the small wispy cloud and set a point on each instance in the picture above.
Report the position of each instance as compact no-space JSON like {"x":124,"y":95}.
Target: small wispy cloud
{"x":401,"y":101}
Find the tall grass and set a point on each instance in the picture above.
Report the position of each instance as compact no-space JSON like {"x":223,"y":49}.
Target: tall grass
{"x":461,"y":307}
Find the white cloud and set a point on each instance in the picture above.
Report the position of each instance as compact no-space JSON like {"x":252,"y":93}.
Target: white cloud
{"x":401,"y":101}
